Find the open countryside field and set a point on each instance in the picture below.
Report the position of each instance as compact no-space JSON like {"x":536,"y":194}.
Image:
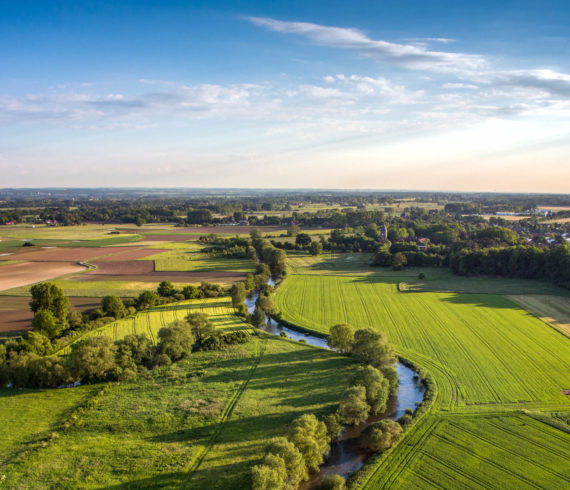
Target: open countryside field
{"x":200,"y":423}
{"x":554,"y":310}
{"x":489,"y":451}
{"x":490,"y":360}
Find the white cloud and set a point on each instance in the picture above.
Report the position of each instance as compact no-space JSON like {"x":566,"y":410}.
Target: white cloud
{"x":405,"y":55}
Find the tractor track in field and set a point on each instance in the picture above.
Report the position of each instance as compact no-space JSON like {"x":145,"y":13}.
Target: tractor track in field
{"x":260,"y":351}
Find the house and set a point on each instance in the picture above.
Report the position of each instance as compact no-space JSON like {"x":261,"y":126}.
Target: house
{"x":383,"y":231}
{"x":423,"y":244}
{"x":51,"y":222}
{"x":10,"y":222}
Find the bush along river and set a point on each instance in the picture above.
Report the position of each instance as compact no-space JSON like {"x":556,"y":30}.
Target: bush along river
{"x":346,"y":455}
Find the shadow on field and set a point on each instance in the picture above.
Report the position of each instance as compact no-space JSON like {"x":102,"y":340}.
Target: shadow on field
{"x":168,"y":480}
{"x":481,"y":299}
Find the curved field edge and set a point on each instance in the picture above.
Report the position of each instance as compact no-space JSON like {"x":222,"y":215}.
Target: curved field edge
{"x":489,"y":350}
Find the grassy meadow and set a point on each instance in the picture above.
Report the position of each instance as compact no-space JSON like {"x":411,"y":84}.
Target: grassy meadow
{"x":491,"y":361}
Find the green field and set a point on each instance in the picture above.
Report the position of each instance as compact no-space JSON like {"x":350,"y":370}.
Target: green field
{"x":186,"y":256}
{"x":494,"y":451}
{"x":200,"y":423}
{"x":490,"y":359}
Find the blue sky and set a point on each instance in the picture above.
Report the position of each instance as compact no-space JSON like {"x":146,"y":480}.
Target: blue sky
{"x":372,"y":94}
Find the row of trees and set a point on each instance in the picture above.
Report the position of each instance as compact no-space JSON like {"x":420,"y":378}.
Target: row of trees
{"x":98,"y":358}
{"x":552,"y":264}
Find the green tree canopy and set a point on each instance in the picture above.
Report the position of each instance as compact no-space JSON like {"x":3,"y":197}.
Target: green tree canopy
{"x":381,"y":435}
{"x":376,"y":385}
{"x":294,"y":463}
{"x":341,"y":337}
{"x":371,"y":347}
{"x":200,"y":325}
{"x":48,"y":296}
{"x":45,"y":323}
{"x":353,"y":407}
{"x":113,"y":306}
{"x":93,"y":359}
{"x":176,"y":340}
{"x":311,"y":438}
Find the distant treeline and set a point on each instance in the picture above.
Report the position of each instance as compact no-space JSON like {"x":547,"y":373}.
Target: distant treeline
{"x":528,"y":262}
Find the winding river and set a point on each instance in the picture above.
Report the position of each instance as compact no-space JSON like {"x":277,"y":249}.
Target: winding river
{"x":346,"y":456}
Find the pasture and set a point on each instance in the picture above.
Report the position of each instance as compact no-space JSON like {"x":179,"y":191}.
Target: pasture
{"x":200,"y":423}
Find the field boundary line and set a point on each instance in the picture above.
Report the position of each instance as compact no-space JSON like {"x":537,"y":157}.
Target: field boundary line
{"x":228,"y":410}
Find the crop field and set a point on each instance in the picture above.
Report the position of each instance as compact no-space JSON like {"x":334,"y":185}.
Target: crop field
{"x":200,"y":423}
{"x":219,"y":310}
{"x":490,"y":360}
{"x":490,"y":350}
{"x":554,"y":310}
{"x":506,"y":451}
{"x":189,"y":258}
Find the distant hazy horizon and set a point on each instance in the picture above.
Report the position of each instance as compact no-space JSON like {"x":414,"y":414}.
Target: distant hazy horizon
{"x":329,"y":95}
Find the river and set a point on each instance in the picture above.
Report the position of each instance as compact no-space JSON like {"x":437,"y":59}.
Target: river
{"x":346,"y":456}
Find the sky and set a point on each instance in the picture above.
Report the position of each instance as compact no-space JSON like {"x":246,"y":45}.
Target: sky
{"x":375,"y":94}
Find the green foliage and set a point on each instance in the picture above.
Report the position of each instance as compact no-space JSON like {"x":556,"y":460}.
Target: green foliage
{"x":354,"y":408}
{"x":258,"y":318}
{"x":176,"y":340}
{"x":341,"y":337}
{"x":311,"y":438}
{"x":93,"y":359}
{"x":380,"y":436}
{"x":48,"y":296}
{"x":398,"y":261}
{"x":166,"y":289}
{"x":200,"y":325}
{"x":391,"y":374}
{"x":36,"y":342}
{"x":316,"y":248}
{"x":238,"y":294}
{"x":296,"y":469}
{"x":146,"y":299}
{"x":334,"y":425}
{"x":333,"y":482}
{"x":190,"y":292}
{"x":113,"y":306}
{"x":371,"y":347}
{"x":271,"y":475}
{"x":377,"y":388}
{"x":46,"y":324}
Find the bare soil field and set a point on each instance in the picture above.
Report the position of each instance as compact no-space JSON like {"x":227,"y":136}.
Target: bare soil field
{"x":24,"y":273}
{"x":121,"y":267}
{"x":170,"y":238}
{"x":131,"y":255}
{"x":15,"y":314}
{"x":64,"y":254}
{"x":194,"y":277}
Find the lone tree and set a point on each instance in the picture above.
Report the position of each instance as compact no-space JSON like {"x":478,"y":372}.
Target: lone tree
{"x":311,"y":438}
{"x":341,"y":337}
{"x":333,"y":482}
{"x":147,"y":299}
{"x":47,"y":296}
{"x":353,"y":407}
{"x":200,"y":325}
{"x":371,"y":347}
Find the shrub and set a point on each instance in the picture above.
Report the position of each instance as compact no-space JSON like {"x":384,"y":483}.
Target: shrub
{"x":294,"y":463}
{"x":271,"y":475}
{"x":381,"y":435}
{"x":333,"y":482}
{"x":371,"y":347}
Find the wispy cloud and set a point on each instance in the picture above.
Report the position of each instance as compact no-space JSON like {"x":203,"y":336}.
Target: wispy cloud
{"x":406,"y":55}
